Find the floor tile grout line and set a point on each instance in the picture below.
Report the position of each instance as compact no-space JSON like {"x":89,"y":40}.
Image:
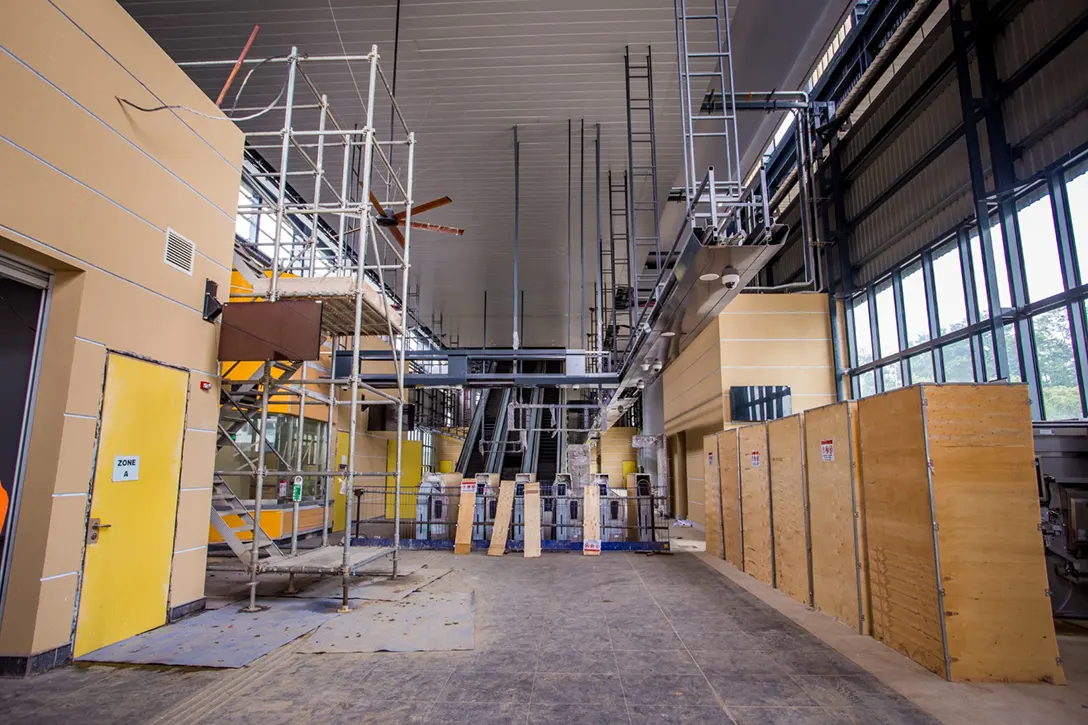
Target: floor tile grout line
{"x":721,"y":702}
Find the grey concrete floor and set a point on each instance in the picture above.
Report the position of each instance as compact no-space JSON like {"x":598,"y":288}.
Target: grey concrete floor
{"x":620,"y":638}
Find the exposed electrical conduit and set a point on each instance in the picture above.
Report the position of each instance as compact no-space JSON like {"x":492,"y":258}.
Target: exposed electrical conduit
{"x":887,"y":54}
{"x":914,"y":18}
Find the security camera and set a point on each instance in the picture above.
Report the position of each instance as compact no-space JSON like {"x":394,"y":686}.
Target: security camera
{"x":657,"y":367}
{"x":641,"y":384}
{"x":730,"y":278}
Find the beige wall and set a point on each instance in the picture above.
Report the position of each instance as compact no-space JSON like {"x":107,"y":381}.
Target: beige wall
{"x":610,"y":452}
{"x":758,"y":340}
{"x":97,"y":186}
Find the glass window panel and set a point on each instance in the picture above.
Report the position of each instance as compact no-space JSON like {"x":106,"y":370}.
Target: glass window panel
{"x":921,"y":368}
{"x":886,"y":325}
{"x":997,"y":244}
{"x":892,"y":377}
{"x":988,"y":361}
{"x":914,"y":305}
{"x":863,"y":338}
{"x":948,"y":279}
{"x":866,"y":384}
{"x":1076,"y":187}
{"x":979,"y":268}
{"x":1057,"y":372}
{"x":1040,"y":244}
{"x":1012,"y":354}
{"x":957,"y":362}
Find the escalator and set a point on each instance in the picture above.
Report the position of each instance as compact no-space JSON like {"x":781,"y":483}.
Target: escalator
{"x":489,"y":415}
{"x":547,"y":447}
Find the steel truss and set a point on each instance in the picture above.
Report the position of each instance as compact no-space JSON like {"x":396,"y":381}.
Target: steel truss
{"x":329,"y":263}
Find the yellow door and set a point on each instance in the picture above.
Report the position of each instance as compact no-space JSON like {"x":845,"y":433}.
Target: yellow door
{"x":126,"y":572}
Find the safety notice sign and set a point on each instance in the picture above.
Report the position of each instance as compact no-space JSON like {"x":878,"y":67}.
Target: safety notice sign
{"x":468,"y":487}
{"x":591,"y":545}
{"x":126,"y":468}
{"x":827,"y":450}
{"x":755,"y":459}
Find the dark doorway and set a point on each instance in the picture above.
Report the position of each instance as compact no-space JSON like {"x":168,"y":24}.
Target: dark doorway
{"x":20,"y":322}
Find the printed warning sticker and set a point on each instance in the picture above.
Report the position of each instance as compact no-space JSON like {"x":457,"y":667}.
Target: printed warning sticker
{"x":468,"y":487}
{"x":827,"y":450}
{"x":591,"y":545}
{"x":755,"y":459}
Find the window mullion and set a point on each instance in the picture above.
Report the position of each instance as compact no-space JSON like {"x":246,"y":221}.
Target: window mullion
{"x":901,"y":323}
{"x":1067,"y":254}
{"x":931,"y":311}
{"x":874,"y":331}
{"x":967,"y":271}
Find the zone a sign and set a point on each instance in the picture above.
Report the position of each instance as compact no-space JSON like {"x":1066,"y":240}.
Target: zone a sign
{"x":126,"y":468}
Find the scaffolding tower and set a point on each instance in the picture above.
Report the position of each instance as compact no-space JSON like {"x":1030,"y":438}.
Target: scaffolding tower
{"x":339,"y":246}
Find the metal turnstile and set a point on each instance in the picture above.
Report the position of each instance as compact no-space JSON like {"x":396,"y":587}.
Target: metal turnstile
{"x":432,"y":509}
{"x":486,"y":505}
{"x":640,"y":506}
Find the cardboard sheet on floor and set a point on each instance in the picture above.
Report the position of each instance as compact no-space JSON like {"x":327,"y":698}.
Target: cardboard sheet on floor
{"x":226,"y":637}
{"x":382,"y":588}
{"x":421,"y":622}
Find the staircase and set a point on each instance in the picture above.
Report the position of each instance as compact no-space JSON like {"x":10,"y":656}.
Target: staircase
{"x":224,"y":504}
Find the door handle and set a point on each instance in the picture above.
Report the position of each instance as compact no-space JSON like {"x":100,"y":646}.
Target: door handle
{"x":93,"y":527}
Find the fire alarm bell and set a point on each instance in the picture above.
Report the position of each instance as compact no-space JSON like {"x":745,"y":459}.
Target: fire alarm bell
{"x":205,"y":385}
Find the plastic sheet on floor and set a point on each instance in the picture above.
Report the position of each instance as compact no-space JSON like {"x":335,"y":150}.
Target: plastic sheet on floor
{"x":226,"y":637}
{"x":421,"y":622}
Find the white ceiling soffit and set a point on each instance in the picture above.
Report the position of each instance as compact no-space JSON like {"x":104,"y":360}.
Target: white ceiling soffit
{"x":467,"y":72}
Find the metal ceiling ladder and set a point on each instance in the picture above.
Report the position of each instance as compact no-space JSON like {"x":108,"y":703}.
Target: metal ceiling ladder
{"x":618,"y":287}
{"x":705,"y":75}
{"x":643,"y":205}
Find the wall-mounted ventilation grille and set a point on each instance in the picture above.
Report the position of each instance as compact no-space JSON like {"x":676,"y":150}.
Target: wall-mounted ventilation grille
{"x":180,"y":252}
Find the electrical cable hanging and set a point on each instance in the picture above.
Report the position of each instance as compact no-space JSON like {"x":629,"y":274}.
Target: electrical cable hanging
{"x":234,"y":105}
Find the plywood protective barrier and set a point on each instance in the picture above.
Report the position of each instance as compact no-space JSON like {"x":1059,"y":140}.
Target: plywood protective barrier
{"x":789,"y":502}
{"x":712,"y":498}
{"x":755,"y":489}
{"x":729,"y":479}
{"x":836,"y":515}
{"x":959,"y":573}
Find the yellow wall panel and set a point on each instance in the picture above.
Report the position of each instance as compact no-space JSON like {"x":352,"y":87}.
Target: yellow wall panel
{"x":187,"y":576}
{"x":85,"y":385}
{"x":76,"y":459}
{"x":64,"y":550}
{"x":53,"y":618}
{"x":194,"y":511}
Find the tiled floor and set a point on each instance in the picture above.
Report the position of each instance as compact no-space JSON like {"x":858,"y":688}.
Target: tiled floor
{"x":621,"y":638}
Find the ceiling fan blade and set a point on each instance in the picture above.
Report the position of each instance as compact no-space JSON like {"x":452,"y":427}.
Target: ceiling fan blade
{"x":377,"y":204}
{"x":437,"y":228}
{"x":397,"y":235}
{"x":426,"y":206}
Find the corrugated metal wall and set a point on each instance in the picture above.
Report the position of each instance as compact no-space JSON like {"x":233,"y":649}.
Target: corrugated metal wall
{"x":1046,"y":119}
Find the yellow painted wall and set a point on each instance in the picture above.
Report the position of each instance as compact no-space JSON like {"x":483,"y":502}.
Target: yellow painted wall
{"x":758,"y":340}
{"x":98,"y":186}
{"x":411,"y":473}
